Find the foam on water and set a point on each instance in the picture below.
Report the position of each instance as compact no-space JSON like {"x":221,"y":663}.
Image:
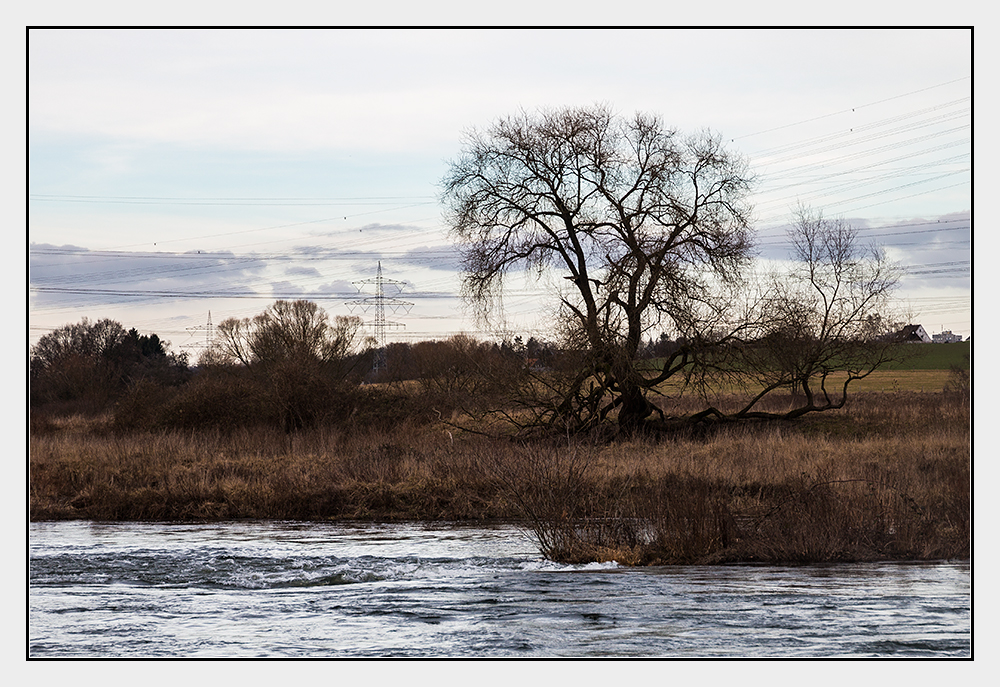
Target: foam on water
{"x":295,"y":589}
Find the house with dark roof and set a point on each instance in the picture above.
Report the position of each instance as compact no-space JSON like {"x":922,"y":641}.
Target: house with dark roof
{"x":914,"y":333}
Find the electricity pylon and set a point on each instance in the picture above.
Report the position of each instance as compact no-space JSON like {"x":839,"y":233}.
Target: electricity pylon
{"x":208,"y":334}
{"x":379,"y":302}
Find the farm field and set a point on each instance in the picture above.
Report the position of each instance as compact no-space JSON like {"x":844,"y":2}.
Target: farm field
{"x":887,"y":381}
{"x":922,"y":368}
{"x":933,"y":356}
{"x":880,"y":381}
{"x":926,"y":368}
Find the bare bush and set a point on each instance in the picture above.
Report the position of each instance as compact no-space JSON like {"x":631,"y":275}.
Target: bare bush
{"x":825,"y":320}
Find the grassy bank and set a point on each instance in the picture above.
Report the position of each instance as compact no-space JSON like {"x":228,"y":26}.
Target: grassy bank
{"x":888,"y":477}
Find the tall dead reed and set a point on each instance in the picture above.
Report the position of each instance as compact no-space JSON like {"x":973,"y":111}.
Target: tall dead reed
{"x":886,"y":478}
{"x":254,"y":473}
{"x":890,"y":481}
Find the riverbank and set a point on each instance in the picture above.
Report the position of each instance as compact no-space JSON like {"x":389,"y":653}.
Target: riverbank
{"x":886,"y":478}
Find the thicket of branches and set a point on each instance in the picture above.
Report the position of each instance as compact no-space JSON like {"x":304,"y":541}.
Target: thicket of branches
{"x":826,"y":318}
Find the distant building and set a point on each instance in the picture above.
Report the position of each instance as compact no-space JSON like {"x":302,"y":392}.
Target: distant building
{"x":914,"y":333}
{"x":946,"y":337}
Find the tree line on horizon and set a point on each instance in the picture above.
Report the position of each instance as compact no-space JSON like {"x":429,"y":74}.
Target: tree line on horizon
{"x":90,"y":367}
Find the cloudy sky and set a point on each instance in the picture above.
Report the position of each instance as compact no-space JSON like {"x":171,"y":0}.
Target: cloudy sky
{"x":177,"y":173}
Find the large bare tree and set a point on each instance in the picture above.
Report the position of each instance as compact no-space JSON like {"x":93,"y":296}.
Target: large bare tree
{"x":645,"y":224}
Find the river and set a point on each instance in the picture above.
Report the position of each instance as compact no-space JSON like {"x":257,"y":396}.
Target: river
{"x":283,"y":589}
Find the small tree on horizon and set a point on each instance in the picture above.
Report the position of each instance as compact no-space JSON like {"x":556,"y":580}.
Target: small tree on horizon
{"x":295,"y":353}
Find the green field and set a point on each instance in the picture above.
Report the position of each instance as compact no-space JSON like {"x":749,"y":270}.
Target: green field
{"x":932,"y":356}
{"x":920,"y":367}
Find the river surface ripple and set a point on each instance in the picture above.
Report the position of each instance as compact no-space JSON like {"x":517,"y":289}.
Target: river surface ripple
{"x":281,"y":589}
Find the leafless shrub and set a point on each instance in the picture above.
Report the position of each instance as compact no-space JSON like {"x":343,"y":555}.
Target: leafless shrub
{"x":960,"y":378}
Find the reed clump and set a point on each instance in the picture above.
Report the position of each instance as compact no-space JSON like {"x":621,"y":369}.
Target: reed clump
{"x":884,"y":481}
{"x":888,"y":477}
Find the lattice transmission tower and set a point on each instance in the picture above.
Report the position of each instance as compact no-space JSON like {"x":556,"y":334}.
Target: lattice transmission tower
{"x":209,"y":334}
{"x":379,"y":302}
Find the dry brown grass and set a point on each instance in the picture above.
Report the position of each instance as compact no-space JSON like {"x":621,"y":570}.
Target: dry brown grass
{"x":254,"y":474}
{"x":887,"y":477}
{"x":882,"y":480}
{"x":879,"y":381}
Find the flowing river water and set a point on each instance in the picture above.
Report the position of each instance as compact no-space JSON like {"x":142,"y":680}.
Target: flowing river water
{"x":282,"y":589}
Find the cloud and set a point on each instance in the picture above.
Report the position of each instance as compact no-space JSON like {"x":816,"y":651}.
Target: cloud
{"x":445,"y":258}
{"x":363,"y":121}
{"x":299,"y":271}
{"x":68,"y":274}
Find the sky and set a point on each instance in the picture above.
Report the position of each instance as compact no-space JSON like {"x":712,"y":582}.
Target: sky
{"x":177,"y":176}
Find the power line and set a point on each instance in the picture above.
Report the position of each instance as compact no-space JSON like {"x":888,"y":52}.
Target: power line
{"x":794,"y":160}
{"x":857,"y":107}
{"x":215,"y":294}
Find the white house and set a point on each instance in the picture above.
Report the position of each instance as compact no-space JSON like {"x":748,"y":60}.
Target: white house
{"x":946,"y":337}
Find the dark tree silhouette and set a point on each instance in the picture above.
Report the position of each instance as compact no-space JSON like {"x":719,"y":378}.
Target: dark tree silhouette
{"x":97,"y":361}
{"x":642,"y":222}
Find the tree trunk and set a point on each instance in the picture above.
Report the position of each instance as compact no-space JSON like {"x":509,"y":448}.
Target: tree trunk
{"x":634,"y":409}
